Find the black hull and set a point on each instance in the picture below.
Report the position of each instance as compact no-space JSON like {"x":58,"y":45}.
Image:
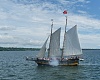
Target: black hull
{"x":69,"y":62}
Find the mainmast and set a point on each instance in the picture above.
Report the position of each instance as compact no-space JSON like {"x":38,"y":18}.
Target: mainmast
{"x":50,"y":38}
{"x":51,"y":25}
{"x":65,"y":12}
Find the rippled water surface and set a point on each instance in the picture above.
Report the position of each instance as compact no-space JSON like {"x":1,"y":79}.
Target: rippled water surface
{"x":13,"y":66}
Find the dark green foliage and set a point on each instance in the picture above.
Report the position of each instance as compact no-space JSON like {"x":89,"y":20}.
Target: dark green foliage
{"x":18,"y":49}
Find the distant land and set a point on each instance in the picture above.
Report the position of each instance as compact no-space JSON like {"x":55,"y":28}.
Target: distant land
{"x":26,"y":49}
{"x":18,"y":49}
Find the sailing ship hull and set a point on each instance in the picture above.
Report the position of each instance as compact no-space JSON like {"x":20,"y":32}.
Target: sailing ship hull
{"x":69,"y":62}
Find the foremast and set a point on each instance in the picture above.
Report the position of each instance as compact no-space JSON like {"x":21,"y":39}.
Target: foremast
{"x":50,"y":38}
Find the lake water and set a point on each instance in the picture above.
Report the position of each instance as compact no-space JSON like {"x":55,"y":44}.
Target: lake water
{"x":13,"y":66}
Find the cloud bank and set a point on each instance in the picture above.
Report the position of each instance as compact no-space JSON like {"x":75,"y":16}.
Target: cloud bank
{"x":26,"y":23}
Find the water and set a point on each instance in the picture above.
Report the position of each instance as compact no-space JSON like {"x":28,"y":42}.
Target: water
{"x":13,"y":66}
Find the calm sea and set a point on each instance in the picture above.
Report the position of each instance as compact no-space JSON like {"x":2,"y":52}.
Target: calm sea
{"x":13,"y":66}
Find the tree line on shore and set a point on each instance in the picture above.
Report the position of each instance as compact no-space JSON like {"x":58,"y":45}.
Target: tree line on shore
{"x":18,"y":49}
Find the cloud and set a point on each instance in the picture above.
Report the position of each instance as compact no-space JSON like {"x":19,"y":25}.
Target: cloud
{"x":82,"y":12}
{"x":6,"y":39}
{"x":7,"y":28}
{"x":90,"y":40}
{"x":84,"y":1}
{"x":28,"y":22}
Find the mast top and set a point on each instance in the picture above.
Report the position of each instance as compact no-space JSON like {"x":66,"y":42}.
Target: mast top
{"x":66,"y":23}
{"x":65,"y":13}
{"x":51,"y":25}
{"x":52,"y":22}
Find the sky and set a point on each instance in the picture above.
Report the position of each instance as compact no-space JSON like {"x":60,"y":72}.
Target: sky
{"x":27,"y":23}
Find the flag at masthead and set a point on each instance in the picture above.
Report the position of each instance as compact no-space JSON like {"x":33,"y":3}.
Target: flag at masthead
{"x":65,"y":12}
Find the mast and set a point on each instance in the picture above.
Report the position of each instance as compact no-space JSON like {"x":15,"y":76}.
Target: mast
{"x":66,"y":24}
{"x":65,"y":12}
{"x":50,"y":38}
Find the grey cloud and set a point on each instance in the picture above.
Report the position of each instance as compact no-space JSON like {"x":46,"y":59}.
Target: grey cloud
{"x":7,"y":28}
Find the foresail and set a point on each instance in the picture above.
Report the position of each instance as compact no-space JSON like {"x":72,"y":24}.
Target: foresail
{"x":41,"y":53}
{"x":55,"y":44}
{"x":71,"y":44}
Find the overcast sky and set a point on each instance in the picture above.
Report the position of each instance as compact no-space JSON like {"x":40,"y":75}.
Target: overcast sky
{"x":26,"y":23}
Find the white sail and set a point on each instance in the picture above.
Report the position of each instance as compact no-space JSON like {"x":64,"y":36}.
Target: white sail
{"x":41,"y":53}
{"x":55,"y":44}
{"x":71,"y":44}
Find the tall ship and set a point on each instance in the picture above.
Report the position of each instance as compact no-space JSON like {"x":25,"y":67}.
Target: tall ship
{"x":67,"y":56}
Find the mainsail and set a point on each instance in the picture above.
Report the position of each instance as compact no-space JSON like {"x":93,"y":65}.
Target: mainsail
{"x":55,"y":44}
{"x":71,"y":44}
{"x":41,"y":53}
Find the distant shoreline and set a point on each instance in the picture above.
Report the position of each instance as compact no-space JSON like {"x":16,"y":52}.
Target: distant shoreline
{"x":26,"y":49}
{"x":18,"y":49}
